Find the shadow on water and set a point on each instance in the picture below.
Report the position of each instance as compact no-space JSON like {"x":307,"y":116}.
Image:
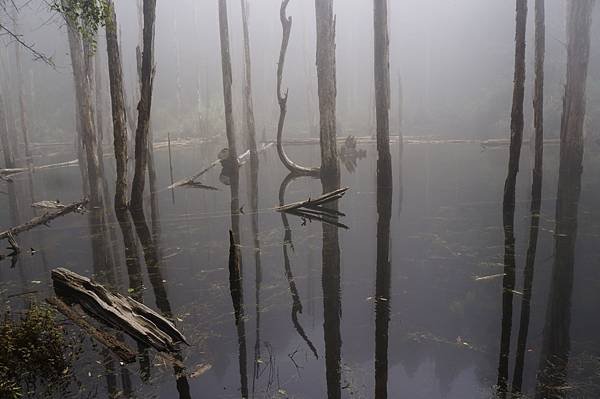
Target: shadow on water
{"x":236,"y":278}
{"x":332,"y":303}
{"x":289,"y":245}
{"x":383,"y":275}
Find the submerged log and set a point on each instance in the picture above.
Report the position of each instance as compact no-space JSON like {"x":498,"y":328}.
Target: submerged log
{"x":120,"y":312}
{"x":43,"y":219}
{"x":315,"y":203}
{"x":125,"y":353}
{"x":313,"y":209}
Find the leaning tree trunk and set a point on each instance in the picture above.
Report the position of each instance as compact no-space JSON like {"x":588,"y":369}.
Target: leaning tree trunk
{"x":249,"y":123}
{"x":227,"y":80}
{"x":115,"y":72}
{"x":554,"y":359}
{"x":144,"y":106}
{"x":382,"y":77}
{"x":83,"y":96}
{"x":326,"y":76}
{"x":286,"y":24}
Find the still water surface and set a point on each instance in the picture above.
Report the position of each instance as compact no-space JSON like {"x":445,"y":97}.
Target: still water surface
{"x":313,"y":327}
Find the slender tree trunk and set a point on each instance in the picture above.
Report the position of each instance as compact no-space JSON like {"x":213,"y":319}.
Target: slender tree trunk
{"x":144,"y":107}
{"x":286,"y":25}
{"x":99,"y":103}
{"x":9,"y":161}
{"x":326,"y":76}
{"x":22,"y":109}
{"x":115,"y":72}
{"x":536,"y":193}
{"x":382,"y":77}
{"x":227,"y":80}
{"x":249,"y":122}
{"x":83,"y":97}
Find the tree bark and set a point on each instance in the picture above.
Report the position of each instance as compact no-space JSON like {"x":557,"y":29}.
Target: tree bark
{"x":326,"y":76}
{"x":9,"y":161}
{"x":227,"y":79}
{"x":83,"y":97}
{"x":115,"y":71}
{"x":22,"y":109}
{"x":249,"y":122}
{"x":144,"y":106}
{"x":382,"y":77}
{"x":286,"y":24}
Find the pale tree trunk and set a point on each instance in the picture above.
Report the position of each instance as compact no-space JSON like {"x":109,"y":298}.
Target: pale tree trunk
{"x":382,"y":77}
{"x":9,"y":161}
{"x":286,"y":24}
{"x":99,"y":83}
{"x":554,"y":359}
{"x":249,"y":122}
{"x":22,"y":109}
{"x":227,"y":79}
{"x":83,"y":96}
{"x":144,"y":106}
{"x":115,"y":71}
{"x":326,"y":77}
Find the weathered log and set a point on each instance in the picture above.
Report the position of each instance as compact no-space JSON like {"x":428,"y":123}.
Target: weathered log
{"x":124,"y":352}
{"x":312,"y":203}
{"x":313,"y":209}
{"x":118,"y":311}
{"x":43,"y":219}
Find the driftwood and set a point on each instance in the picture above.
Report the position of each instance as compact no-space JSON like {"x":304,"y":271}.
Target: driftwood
{"x":313,"y":209}
{"x":286,"y":25}
{"x":192,"y":180}
{"x":43,"y":219}
{"x":124,"y":352}
{"x":118,"y":311}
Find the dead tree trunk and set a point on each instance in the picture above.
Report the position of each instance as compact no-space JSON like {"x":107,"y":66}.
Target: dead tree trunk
{"x":249,"y":122}
{"x":85,"y":114}
{"x":99,"y":102}
{"x":227,"y":79}
{"x":9,"y":161}
{"x":22,"y":110}
{"x":538,"y":99}
{"x":382,"y":77}
{"x":326,"y":76}
{"x":144,"y":106}
{"x":286,"y":24}
{"x":517,"y":119}
{"x":554,"y":359}
{"x":115,"y":71}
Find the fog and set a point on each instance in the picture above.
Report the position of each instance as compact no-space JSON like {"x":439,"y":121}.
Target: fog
{"x":455,"y":60}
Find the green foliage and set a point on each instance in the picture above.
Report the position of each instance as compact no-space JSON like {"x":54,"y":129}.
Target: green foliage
{"x":34,"y":354}
{"x":87,"y":16}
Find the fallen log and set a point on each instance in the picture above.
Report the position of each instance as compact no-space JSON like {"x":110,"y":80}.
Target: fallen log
{"x":313,"y":209}
{"x":120,"y":312}
{"x":124,"y":352}
{"x":43,"y":219}
{"x":314,"y":203}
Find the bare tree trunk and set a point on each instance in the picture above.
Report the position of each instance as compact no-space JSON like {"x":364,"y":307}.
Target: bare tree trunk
{"x":22,"y":109}
{"x":227,"y":79}
{"x":382,"y":77}
{"x":536,"y":194}
{"x":286,"y":24}
{"x":99,"y":102}
{"x":9,"y":161}
{"x":249,"y":122}
{"x":85,"y":111}
{"x":326,"y":76}
{"x":144,"y":107}
{"x":115,"y":71}
{"x":554,"y":359}
{"x":400,"y":114}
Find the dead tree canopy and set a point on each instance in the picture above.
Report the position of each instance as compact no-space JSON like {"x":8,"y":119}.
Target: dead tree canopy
{"x":118,"y":311}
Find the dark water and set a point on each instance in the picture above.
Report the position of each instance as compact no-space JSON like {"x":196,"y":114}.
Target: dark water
{"x":311,"y":326}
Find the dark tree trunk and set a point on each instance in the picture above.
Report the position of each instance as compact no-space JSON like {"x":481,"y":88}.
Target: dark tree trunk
{"x":249,"y":123}
{"x":83,"y":95}
{"x":22,"y":109}
{"x":227,"y":79}
{"x":326,"y":76}
{"x":119,"y":117}
{"x":9,"y":161}
{"x":508,"y":206}
{"x":382,"y":77}
{"x":536,"y":193}
{"x":144,"y":106}
{"x":554,"y":357}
